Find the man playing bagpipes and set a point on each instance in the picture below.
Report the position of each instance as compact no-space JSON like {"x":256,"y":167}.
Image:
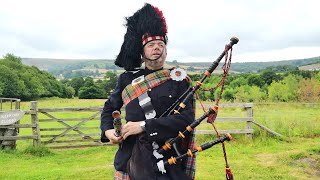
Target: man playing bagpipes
{"x":147,"y":94}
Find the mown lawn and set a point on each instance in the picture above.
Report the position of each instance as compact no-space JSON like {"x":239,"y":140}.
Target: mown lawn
{"x":264,"y":157}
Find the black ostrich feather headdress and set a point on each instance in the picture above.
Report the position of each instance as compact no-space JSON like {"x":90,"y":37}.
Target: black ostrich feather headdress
{"x":143,"y":26}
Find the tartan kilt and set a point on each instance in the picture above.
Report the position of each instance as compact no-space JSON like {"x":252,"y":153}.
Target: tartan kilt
{"x":190,"y":165}
{"x":119,"y":175}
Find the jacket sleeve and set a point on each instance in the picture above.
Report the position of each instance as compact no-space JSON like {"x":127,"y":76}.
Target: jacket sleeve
{"x":113,"y":103}
{"x":161,"y":129}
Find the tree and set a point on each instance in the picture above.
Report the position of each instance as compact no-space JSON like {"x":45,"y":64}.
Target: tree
{"x":69,"y":92}
{"x":77,"y":83}
{"x":255,"y":80}
{"x":268,"y":76}
{"x":292,"y":87}
{"x":309,"y":90}
{"x":92,"y":92}
{"x":256,"y":95}
{"x":13,"y":87}
{"x":317,"y":76}
{"x":278,"y":91}
{"x":228,"y":94}
{"x":88,"y":82}
{"x":109,"y":83}
{"x":27,"y":83}
{"x":12,"y":58}
{"x":242,"y":94}
{"x":1,"y":88}
{"x":304,"y":74}
{"x":240,"y":81}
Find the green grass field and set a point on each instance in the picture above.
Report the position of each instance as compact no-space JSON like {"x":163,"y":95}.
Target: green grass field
{"x":264,"y":157}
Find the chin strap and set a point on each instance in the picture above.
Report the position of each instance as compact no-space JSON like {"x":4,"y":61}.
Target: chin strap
{"x":144,"y":57}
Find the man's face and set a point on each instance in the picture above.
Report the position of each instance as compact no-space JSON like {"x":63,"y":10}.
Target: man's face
{"x":156,"y":53}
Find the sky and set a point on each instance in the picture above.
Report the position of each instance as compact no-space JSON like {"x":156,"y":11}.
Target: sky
{"x":198,"y":30}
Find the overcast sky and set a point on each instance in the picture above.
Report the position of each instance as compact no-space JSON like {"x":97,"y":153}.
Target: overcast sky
{"x":268,"y":30}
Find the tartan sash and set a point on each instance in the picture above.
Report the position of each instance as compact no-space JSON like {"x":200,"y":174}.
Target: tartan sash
{"x":152,"y":80}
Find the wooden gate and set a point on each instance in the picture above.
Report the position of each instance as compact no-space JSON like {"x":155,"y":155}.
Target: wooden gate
{"x":247,"y":119}
{"x":67,"y":127}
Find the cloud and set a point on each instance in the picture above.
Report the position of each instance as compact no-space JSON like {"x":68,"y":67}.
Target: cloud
{"x":197,"y":29}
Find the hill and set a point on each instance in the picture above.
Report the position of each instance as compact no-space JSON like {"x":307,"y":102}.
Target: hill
{"x":256,"y":66}
{"x":69,"y":66}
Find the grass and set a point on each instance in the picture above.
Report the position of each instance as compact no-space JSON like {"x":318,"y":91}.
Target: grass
{"x":264,"y":157}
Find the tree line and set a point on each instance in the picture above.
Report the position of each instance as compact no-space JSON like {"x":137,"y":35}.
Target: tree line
{"x":273,"y":84}
{"x":29,"y":83}
{"x":268,"y":85}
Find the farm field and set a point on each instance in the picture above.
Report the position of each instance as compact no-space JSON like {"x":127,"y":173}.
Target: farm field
{"x":264,"y":157}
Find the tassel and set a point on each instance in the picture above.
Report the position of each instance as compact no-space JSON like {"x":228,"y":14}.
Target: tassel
{"x":229,"y":175}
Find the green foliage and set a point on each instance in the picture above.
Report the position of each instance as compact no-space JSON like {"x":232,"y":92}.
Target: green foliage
{"x":88,"y":82}
{"x":1,"y":88}
{"x":13,"y":58}
{"x":25,"y":82}
{"x":238,"y":82}
{"x":269,"y":76}
{"x":242,"y":94}
{"x":69,"y":92}
{"x":281,"y":68}
{"x":256,"y":94}
{"x":292,"y":87}
{"x":228,"y":94}
{"x":13,"y":86}
{"x":317,"y":76}
{"x":276,"y":92}
{"x":304,"y":74}
{"x":109,"y":82}
{"x":270,"y":84}
{"x":91,"y":92}
{"x":255,"y":80}
{"x":77,"y":83}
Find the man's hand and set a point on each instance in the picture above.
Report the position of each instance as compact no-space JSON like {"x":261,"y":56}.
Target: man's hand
{"x":113,"y":139}
{"x":131,"y":128}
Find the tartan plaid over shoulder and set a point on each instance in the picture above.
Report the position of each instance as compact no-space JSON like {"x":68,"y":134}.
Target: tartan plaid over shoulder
{"x":131,"y":92}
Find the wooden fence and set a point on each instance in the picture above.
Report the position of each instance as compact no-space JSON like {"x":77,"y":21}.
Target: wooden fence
{"x":248,"y":107}
{"x":66,"y":128}
{"x":63,"y":128}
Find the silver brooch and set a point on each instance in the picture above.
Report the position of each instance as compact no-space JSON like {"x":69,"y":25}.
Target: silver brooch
{"x":178,"y":74}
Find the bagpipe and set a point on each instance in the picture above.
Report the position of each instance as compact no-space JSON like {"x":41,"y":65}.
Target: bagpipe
{"x":177,"y":107}
{"x":211,"y":114}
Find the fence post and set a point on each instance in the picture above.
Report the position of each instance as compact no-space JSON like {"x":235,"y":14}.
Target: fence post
{"x":17,"y":104}
{"x":249,"y":109}
{"x":35,"y":121}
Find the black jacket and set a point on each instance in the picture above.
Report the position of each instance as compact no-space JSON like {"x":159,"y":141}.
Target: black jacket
{"x":157,"y":129}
